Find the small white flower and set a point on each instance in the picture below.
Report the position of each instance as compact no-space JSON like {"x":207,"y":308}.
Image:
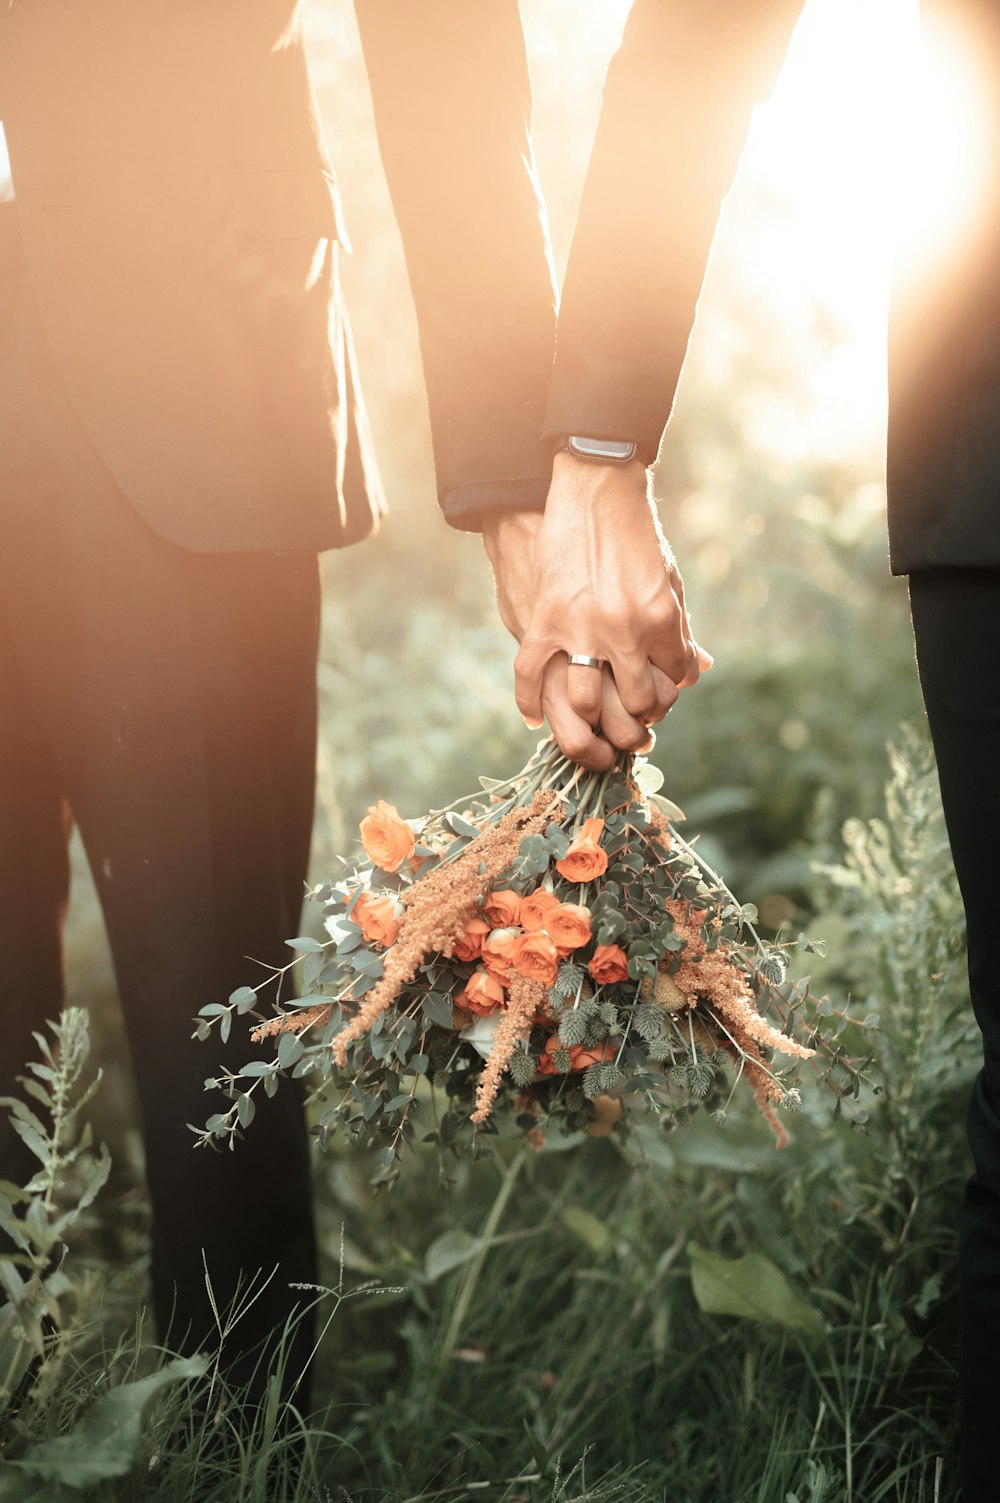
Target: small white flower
{"x":482,"y":1033}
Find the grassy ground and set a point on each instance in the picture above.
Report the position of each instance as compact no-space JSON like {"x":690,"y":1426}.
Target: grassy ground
{"x":546,"y":1326}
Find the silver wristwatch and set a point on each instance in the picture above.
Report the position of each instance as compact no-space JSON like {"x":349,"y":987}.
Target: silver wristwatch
{"x":601,"y":450}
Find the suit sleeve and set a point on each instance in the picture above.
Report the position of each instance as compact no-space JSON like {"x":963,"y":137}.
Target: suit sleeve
{"x":677,"y":104}
{"x":452,"y":99}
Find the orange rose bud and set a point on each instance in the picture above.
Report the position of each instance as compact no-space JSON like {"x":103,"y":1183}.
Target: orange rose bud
{"x":608,"y":963}
{"x":498,"y":952}
{"x":503,"y":909}
{"x":386,"y":837}
{"x":483,"y":993}
{"x":568,"y":925}
{"x":534,"y":907}
{"x":378,"y":916}
{"x":536,"y":957}
{"x":585,"y":858}
{"x":469,"y":944}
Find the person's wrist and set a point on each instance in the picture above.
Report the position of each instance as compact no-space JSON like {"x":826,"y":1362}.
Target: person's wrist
{"x":578,"y":481}
{"x":509,"y":527}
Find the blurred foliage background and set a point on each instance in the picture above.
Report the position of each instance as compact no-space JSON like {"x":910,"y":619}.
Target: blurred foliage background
{"x":771,"y":490}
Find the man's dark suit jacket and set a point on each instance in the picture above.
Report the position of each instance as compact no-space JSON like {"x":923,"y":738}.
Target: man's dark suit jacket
{"x":174,"y":193}
{"x":177,"y":207}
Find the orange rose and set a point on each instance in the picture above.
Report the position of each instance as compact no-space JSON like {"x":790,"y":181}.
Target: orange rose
{"x":386,"y":837}
{"x":608,"y":963}
{"x":378,"y":916}
{"x":483,"y":993}
{"x":535,"y":906}
{"x":585,"y":858}
{"x":498,"y":952}
{"x":536,"y":957}
{"x":568,"y":924}
{"x":579,"y":1058}
{"x":503,"y":909}
{"x":469,"y":944}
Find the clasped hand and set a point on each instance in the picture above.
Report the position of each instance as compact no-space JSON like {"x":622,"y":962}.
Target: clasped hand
{"x":594,"y":575}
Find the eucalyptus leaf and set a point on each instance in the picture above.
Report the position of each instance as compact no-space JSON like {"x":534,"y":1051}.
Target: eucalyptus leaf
{"x":668,"y":808}
{"x":461,"y":826}
{"x":290,"y":1050}
{"x":437,"y":1009}
{"x":648,"y":778}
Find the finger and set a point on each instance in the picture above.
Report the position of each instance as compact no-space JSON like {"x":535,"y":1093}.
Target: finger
{"x":670,"y":650}
{"x":674,"y":650}
{"x":529,"y":671}
{"x":698,"y":663}
{"x":623,"y":730}
{"x":583,"y":688}
{"x":634,"y":681}
{"x":575,"y":736}
{"x":666,"y":696}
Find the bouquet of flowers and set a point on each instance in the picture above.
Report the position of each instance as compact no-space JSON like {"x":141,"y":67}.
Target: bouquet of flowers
{"x":547,"y":948}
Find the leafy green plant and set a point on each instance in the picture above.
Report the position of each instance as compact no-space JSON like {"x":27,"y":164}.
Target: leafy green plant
{"x":47,"y":1304}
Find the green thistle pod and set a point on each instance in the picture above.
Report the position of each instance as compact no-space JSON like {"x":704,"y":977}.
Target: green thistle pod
{"x":701,"y":1076}
{"x":561,"y":1060}
{"x":792,"y":1100}
{"x":611,"y":1075}
{"x":773,"y":968}
{"x":659,"y":1049}
{"x":592,"y":1085}
{"x":522,"y":1067}
{"x":567,"y":982}
{"x":608,"y":1013}
{"x":573,"y":1027}
{"x":649,"y":1021}
{"x":679,"y":1077}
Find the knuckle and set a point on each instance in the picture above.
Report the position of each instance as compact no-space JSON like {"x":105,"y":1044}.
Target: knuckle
{"x":632,"y":738}
{"x":524,"y":661}
{"x":585,"y":702}
{"x":576,"y":744}
{"x":662,"y":616}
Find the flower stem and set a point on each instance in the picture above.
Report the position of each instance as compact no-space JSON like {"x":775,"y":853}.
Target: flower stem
{"x":475,"y":1268}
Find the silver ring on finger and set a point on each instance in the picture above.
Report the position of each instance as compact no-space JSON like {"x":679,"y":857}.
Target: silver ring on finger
{"x":583,"y":660}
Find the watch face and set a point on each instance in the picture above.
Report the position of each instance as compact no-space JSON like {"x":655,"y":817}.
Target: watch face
{"x":617,"y":451}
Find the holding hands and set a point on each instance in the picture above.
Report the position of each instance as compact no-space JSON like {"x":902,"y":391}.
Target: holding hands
{"x":594,"y":577}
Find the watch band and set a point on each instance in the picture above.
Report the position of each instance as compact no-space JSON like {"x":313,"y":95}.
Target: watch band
{"x":599,"y":450}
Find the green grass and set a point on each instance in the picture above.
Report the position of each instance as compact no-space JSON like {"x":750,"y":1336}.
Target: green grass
{"x":533,"y":1331}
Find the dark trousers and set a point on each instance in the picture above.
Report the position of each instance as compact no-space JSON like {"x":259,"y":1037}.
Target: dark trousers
{"x":165,"y":700}
{"x":956,"y":619}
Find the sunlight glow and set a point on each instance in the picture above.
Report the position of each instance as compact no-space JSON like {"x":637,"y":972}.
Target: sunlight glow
{"x":874,"y":145}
